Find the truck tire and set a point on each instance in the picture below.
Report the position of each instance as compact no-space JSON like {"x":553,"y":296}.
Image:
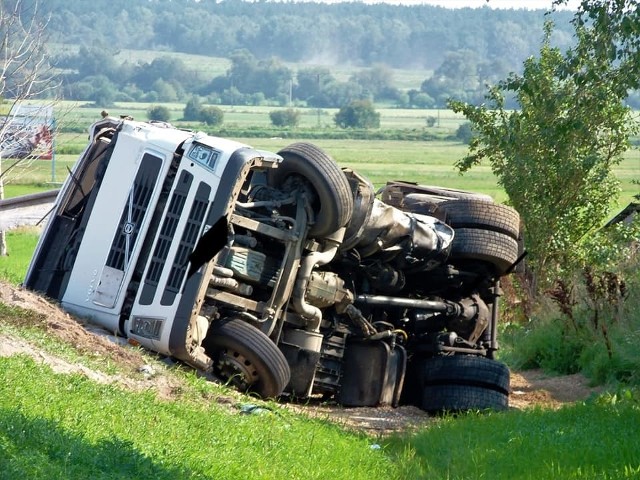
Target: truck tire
{"x":464,"y":382}
{"x":467,"y":370}
{"x":334,"y":205}
{"x":247,"y":358}
{"x":460,"y":398}
{"x":494,"y":248}
{"x":483,"y":215}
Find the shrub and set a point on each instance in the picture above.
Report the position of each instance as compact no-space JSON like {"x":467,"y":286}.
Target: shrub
{"x":358,"y":114}
{"x":192,"y":109}
{"x":212,"y":116}
{"x":285,"y":118}
{"x":159,"y":113}
{"x":465,"y":133}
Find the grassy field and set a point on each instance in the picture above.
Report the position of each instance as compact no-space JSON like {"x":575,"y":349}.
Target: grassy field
{"x":430,"y":163}
{"x":79,"y":114}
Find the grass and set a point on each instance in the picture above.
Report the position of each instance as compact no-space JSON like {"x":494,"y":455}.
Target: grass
{"x":22,"y":242}
{"x":591,"y":440}
{"x":65,"y":426}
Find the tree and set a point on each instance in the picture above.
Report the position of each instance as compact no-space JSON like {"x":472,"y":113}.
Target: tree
{"x":212,"y":116}
{"x":554,"y":155}
{"x":358,"y":114}
{"x":26,"y":74}
{"x":285,"y":118}
{"x":192,"y":109}
{"x":464,"y":133}
{"x":376,"y":81}
{"x":159,"y":113}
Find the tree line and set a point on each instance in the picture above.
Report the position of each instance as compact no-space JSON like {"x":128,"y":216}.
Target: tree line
{"x":341,"y":33}
{"x":465,"y":48}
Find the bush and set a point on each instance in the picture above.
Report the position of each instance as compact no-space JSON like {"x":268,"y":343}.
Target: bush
{"x":358,"y":114}
{"x":465,"y":133}
{"x":159,"y":113}
{"x":192,"y":109}
{"x":212,"y":116}
{"x":285,"y":118}
{"x":593,"y":326}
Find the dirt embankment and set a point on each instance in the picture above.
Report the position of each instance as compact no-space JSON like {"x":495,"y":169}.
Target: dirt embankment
{"x":529,"y":388}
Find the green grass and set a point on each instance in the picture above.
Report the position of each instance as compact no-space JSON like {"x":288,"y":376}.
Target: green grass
{"x":597,"y":439}
{"x":21,"y":244}
{"x":67,"y":427}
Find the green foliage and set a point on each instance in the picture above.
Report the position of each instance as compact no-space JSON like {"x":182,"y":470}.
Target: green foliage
{"x":590,"y":440}
{"x":212,"y":116}
{"x":593,"y":325}
{"x":66,"y":426}
{"x":543,"y":343}
{"x":358,"y":114}
{"x":159,"y":113}
{"x":192,"y":109}
{"x":554,"y":156}
{"x":285,"y":118}
{"x":464,"y":133}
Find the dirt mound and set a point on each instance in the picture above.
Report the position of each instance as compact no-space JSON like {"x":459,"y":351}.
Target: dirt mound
{"x":69,"y":329}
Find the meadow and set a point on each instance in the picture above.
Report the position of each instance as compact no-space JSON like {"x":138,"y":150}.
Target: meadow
{"x":425,"y":162}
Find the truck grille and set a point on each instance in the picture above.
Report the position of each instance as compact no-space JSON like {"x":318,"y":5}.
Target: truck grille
{"x":140,"y":194}
{"x":188,"y":241}
{"x":165,"y":237}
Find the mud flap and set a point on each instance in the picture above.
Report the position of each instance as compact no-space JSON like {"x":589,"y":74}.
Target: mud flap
{"x":373,"y":374}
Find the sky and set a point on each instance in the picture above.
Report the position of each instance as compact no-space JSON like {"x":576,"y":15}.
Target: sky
{"x":528,"y":4}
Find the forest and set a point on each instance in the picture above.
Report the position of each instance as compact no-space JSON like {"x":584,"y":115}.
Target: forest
{"x":466,"y":49}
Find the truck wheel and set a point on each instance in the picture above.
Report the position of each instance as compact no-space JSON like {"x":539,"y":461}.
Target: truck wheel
{"x":334,"y":204}
{"x":247,"y":358}
{"x":457,"y":383}
{"x":495,"y":248}
{"x":482,"y":215}
{"x":459,"y":398}
{"x":467,"y":370}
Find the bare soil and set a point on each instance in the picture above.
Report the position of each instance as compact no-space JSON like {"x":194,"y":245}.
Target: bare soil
{"x":528,"y":388}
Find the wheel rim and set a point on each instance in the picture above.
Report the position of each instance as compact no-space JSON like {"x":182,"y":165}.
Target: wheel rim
{"x":237,"y":369}
{"x":246,"y":358}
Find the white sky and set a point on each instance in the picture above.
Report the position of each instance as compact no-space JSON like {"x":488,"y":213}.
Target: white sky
{"x":528,"y":4}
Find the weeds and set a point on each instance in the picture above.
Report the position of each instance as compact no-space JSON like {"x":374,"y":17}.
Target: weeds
{"x":593,"y":321}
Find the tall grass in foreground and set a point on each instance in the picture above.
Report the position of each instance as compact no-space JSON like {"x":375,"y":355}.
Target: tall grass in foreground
{"x":55,"y":426}
{"x":61,"y":426}
{"x":597,"y":439}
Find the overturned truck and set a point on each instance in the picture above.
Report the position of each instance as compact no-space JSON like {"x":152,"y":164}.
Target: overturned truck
{"x":282,"y":273}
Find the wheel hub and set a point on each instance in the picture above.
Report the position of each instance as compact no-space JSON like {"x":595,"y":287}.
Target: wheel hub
{"x":237,"y":369}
